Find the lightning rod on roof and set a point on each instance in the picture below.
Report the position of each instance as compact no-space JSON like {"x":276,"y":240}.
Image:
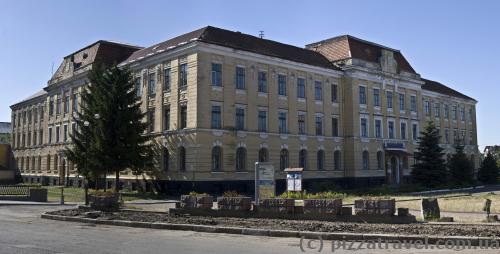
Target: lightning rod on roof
{"x":261,"y":34}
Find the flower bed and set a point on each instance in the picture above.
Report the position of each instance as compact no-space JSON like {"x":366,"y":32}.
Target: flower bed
{"x":197,"y":201}
{"x":375,"y":206}
{"x":323,"y":206}
{"x":234,"y":203}
{"x":277,"y":205}
{"x":105,"y":201}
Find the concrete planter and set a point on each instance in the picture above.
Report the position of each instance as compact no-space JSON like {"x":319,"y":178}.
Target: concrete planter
{"x":277,"y":205}
{"x":38,"y":194}
{"x":200,"y":202}
{"x":375,"y":207}
{"x":323,"y":206}
{"x":105,"y":203}
{"x":234,"y":203}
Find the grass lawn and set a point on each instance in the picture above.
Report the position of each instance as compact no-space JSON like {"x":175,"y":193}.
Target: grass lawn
{"x":472,"y":203}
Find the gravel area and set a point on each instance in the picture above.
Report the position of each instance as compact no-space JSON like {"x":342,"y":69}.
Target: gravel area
{"x":314,"y":226}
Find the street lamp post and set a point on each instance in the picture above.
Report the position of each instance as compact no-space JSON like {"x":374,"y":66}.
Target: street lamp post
{"x":85,"y":180}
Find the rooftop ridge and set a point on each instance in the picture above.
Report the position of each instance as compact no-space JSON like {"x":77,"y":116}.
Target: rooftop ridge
{"x":354,"y":38}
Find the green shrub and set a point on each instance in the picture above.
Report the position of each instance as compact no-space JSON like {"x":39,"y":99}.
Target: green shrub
{"x":196,"y":194}
{"x":232,"y":194}
{"x":319,"y":195}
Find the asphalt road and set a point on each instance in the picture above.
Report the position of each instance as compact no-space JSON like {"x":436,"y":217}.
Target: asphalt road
{"x":23,"y":231}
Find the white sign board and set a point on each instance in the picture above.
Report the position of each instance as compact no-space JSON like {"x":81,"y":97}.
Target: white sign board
{"x":264,"y":181}
{"x":294,"y":181}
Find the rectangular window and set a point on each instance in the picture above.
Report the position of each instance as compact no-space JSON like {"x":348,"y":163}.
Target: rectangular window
{"x":66,"y":104}
{"x":471,"y":138}
{"x":302,"y":123}
{"x":403,"y":131}
{"x":389,"y":99}
{"x":151,"y":121}
{"x":391,"y":129}
{"x":335,"y":127}
{"x":437,"y":109}
{"x":166,"y":119}
{"x":216,"y":117}
{"x":29,"y":139}
{"x":50,"y":135}
{"x":362,"y":95}
{"x":376,"y":97}
{"x":447,"y":136}
{"x":364,"y":127}
{"x":378,"y":128}
{"x":413,"y":103}
{"x":183,"y":73}
{"x":455,"y":135}
{"x":65,"y":133}
{"x":40,"y":137}
{"x":462,"y":114}
{"x":216,"y":74}
{"x":415,"y":131}
{"x":262,"y":121}
{"x":401,"y":101}
{"x":137,"y":87}
{"x":166,"y":79}
{"x":152,"y":85}
{"x":240,"y":118}
{"x":73,"y":127}
{"x":427,"y":108}
{"x":58,"y":134}
{"x":282,"y":122}
{"x":301,"y":88}
{"x":240,"y":78}
{"x":75,"y":102}
{"x":471,"y":112}
{"x":35,"y":115}
{"x":58,"y":105}
{"x":334,"y":93}
{"x":318,"y":91}
{"x":262,"y":82}
{"x":35,"y":138}
{"x":183,"y":116}
{"x":319,"y":125}
{"x":445,"y":111}
{"x":454,"y":112}
{"x":281,"y":85}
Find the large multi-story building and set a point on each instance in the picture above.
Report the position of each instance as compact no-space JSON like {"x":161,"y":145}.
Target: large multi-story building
{"x":346,"y":110}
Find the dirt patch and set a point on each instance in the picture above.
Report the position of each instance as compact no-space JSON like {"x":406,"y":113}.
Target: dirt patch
{"x":314,"y":226}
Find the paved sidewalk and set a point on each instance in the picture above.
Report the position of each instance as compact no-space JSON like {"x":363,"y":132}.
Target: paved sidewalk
{"x":10,"y":202}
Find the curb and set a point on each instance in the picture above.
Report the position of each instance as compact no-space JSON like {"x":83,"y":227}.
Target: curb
{"x":474,"y":241}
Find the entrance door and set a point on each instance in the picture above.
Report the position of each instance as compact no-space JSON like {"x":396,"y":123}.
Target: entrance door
{"x":394,"y":170}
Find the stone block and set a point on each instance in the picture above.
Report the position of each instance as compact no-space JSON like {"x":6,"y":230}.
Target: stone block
{"x":430,"y":209}
{"x":375,"y":206}
{"x":403,"y":211}
{"x":323,"y":206}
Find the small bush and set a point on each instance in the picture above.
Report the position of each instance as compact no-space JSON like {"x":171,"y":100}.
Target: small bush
{"x":232,"y":194}
{"x":196,"y":194}
{"x":319,"y":195}
{"x":101,"y":193}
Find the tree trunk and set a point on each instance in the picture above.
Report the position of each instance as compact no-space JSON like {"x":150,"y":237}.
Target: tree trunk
{"x":117,"y":181}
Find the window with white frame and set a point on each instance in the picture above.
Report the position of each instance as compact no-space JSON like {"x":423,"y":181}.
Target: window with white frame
{"x":281,"y":85}
{"x":216,"y":117}
{"x":282,"y":119}
{"x":362,"y":95}
{"x":390,"y":128}
{"x":334,"y":93}
{"x":216,"y":74}
{"x":301,"y":120}
{"x":240,"y":78}
{"x":318,"y":91}
{"x":445,"y":111}
{"x":413,"y":103}
{"x":427,"y":108}
{"x":403,"y":130}
{"x":301,"y":88}
{"x":262,"y":121}
{"x":364,"y":127}
{"x":319,"y":125}
{"x":389,"y":99}
{"x":262,"y":82}
{"x":376,"y":97}
{"x":240,"y":118}
{"x":378,"y":128}
{"x":437,"y":109}
{"x":401,"y":101}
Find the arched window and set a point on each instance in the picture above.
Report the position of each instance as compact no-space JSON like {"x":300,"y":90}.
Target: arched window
{"x":263,"y":155}
{"x":283,"y":159}
{"x":336,"y":160}
{"x":241,"y":159}
{"x":182,"y":158}
{"x":320,"y":160}
{"x":166,"y":159}
{"x":216,"y":158}
{"x":48,"y":163}
{"x":366,"y":159}
{"x":303,"y":159}
{"x":56,"y":163}
{"x":380,"y":160}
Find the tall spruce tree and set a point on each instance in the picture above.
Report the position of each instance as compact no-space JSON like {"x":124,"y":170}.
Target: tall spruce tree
{"x":460,"y":167}
{"x":430,"y":168}
{"x":115,"y":140}
{"x":488,"y":172}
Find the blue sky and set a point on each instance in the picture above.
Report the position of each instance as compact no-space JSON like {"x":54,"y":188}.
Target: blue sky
{"x":454,"y":42}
